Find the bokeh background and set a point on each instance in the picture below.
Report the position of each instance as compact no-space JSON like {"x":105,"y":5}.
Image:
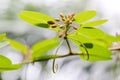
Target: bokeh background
{"x":70,"y":68}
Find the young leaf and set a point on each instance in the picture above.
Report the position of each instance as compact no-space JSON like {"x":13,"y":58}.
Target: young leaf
{"x":2,"y":36}
{"x":6,"y":64}
{"x":84,"y":16}
{"x":94,"y":23}
{"x":17,"y":45}
{"x":36,"y":18}
{"x":42,"y":47}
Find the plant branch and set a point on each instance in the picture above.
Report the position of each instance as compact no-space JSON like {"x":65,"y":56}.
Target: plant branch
{"x":49,"y":57}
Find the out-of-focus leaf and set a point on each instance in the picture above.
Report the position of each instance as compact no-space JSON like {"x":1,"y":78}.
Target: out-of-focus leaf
{"x":94,"y":23}
{"x":6,"y":64}
{"x":17,"y":45}
{"x":36,"y":18}
{"x":84,"y":16}
{"x":2,"y":44}
{"x":42,"y":47}
{"x":2,"y":36}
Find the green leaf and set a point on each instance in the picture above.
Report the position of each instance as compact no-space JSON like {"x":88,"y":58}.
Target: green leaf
{"x":97,"y":49}
{"x":17,"y":45}
{"x":36,"y":18}
{"x":96,"y":53}
{"x":95,"y":35}
{"x":84,"y":16}
{"x":2,"y":36}
{"x":6,"y":64}
{"x":110,"y":38}
{"x":118,"y":37}
{"x":94,"y":23}
{"x":90,"y":32}
{"x":42,"y":47}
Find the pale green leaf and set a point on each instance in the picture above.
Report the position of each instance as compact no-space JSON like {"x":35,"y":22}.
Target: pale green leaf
{"x":94,"y":23}
{"x":17,"y":45}
{"x":84,"y":16}
{"x":42,"y":47}
{"x":6,"y":64}
{"x":36,"y":18}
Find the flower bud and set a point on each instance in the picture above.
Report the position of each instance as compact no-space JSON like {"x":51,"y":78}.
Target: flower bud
{"x":51,"y":22}
{"x":72,"y":14}
{"x":70,"y":22}
{"x":63,"y":19}
{"x":57,"y":19}
{"x":73,"y":19}
{"x":75,"y":27}
{"x":61,"y":26}
{"x":62,"y":15}
{"x":54,"y":26}
{"x":60,"y":34}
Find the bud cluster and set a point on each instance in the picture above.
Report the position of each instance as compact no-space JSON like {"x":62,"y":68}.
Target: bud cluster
{"x":66,"y":19}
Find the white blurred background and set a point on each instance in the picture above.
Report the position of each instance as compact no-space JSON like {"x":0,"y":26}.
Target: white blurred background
{"x":70,"y":68}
